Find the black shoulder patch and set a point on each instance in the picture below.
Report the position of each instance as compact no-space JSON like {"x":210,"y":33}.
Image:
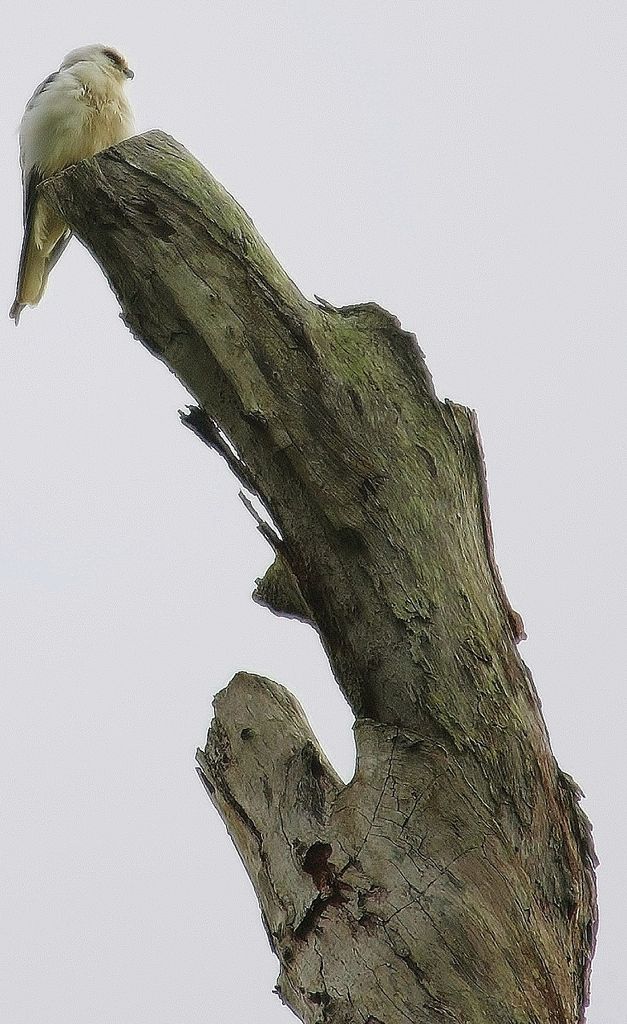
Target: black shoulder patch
{"x":42,"y":88}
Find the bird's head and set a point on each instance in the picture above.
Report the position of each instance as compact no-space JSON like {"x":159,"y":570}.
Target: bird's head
{"x":105,"y":57}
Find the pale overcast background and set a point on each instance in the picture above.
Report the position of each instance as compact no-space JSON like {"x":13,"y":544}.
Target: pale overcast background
{"x":461,"y":163}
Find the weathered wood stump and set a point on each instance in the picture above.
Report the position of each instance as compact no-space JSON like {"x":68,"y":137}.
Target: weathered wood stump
{"x":452,"y":879}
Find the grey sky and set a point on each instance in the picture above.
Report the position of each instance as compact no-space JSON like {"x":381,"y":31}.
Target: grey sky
{"x":461,"y":163}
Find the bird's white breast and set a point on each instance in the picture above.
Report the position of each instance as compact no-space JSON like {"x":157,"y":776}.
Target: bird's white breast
{"x":82,"y":111}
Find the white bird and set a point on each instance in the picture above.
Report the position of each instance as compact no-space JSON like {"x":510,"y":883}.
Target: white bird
{"x":76,"y":112}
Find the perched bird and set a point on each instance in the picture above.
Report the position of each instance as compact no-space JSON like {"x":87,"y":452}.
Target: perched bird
{"x":77,"y":111}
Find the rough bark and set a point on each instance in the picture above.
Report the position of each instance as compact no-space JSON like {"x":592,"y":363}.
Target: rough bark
{"x":452,"y":879}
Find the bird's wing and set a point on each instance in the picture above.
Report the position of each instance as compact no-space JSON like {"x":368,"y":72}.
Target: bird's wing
{"x":30,"y":190}
{"x":29,"y":254}
{"x":47,"y":113}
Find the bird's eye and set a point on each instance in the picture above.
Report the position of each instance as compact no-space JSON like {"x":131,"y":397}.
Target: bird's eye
{"x":113,"y":57}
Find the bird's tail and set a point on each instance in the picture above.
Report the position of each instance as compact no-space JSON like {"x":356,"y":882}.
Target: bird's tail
{"x":31,"y":279}
{"x":15,"y":311}
{"x":37,"y":259}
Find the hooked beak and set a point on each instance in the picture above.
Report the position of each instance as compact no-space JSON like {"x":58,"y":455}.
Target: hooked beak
{"x":128,"y":73}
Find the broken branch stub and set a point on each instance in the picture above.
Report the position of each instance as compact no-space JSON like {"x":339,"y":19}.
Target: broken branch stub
{"x":453,"y":877}
{"x":398,"y":894}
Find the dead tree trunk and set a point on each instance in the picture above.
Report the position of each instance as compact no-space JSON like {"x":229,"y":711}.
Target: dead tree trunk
{"x":452,"y":879}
